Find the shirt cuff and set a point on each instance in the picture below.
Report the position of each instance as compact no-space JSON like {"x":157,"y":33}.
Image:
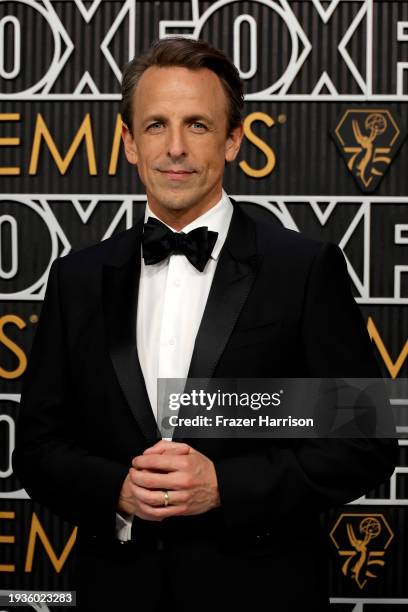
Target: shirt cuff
{"x":124,"y":526}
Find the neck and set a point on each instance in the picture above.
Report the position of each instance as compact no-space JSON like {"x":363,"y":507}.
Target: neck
{"x":177,"y":219}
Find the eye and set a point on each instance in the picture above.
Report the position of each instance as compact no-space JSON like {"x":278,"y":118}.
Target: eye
{"x":197,"y":125}
{"x":157,"y":125}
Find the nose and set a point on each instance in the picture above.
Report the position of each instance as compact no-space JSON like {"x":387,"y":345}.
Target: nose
{"x":176,"y":145}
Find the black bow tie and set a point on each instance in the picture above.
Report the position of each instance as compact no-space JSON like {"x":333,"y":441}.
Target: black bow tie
{"x":159,"y":241}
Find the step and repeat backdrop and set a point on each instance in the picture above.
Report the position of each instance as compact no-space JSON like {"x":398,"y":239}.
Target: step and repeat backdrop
{"x":325,"y":153}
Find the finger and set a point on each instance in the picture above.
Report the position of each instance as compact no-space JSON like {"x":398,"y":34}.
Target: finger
{"x":159,"y":447}
{"x":150,"y":513}
{"x":180,"y":449}
{"x":156,"y":448}
{"x":164,"y":446}
{"x":157,"y":499}
{"x":167,"y":462}
{"x":152,"y":480}
{"x":158,"y":514}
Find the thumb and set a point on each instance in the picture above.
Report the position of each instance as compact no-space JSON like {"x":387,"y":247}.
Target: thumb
{"x":166,"y":446}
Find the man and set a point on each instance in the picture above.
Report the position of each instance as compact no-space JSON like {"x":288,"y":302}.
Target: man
{"x":200,"y":523}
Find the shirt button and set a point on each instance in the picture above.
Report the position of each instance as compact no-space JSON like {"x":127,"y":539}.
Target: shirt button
{"x":177,"y":282}
{"x":172,"y":341}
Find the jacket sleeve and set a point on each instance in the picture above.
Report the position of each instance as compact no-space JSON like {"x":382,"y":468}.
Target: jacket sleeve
{"x":73,"y":483}
{"x":314,"y":474}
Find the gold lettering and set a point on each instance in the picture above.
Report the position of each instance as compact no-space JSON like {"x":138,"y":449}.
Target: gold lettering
{"x":392,"y":367}
{"x":7,"y":540}
{"x":113,"y":163}
{"x":258,"y":142}
{"x":63,"y":163}
{"x":10,"y":142}
{"x":14,"y":348}
{"x":37,"y":529}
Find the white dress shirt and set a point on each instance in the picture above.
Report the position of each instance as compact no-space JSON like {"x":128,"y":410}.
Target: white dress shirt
{"x":171,"y":302}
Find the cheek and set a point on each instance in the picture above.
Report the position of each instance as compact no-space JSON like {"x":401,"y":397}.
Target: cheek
{"x":217,"y":161}
{"x":212,"y":155}
{"x":143,"y":173}
{"x":144,"y":166}
{"x":147,"y":153}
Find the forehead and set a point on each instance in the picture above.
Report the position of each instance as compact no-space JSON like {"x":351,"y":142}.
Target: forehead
{"x":175,"y":88}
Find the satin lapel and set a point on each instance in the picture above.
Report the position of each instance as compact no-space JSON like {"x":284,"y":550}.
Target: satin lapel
{"x":120,"y":291}
{"x":233,"y":279}
{"x":235,"y":273}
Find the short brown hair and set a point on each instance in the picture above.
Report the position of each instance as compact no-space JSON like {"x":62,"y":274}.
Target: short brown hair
{"x":187,"y":53}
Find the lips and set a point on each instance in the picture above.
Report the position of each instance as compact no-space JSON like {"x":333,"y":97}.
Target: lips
{"x":177,"y":171}
{"x":177,"y":174}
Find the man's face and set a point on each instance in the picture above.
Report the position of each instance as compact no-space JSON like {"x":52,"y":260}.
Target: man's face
{"x":180,"y":139}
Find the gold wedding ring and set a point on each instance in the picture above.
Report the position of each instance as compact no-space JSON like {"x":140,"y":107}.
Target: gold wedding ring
{"x":166,"y":498}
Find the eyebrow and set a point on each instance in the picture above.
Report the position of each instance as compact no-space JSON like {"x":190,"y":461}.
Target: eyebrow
{"x":189,"y":119}
{"x":204,"y":118}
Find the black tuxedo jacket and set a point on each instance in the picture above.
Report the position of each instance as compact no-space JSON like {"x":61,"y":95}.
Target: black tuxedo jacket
{"x":280,"y":306}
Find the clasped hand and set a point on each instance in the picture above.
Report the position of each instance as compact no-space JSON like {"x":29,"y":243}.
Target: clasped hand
{"x":188,"y":476}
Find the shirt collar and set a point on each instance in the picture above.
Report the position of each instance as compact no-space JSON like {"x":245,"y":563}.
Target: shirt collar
{"x":217,"y":219}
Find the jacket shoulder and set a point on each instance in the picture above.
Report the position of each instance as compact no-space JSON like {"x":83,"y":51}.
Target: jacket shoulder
{"x":113,"y":250}
{"x":274,"y":239}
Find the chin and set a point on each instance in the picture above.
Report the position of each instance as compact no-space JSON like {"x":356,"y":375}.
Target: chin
{"x":178,"y":203}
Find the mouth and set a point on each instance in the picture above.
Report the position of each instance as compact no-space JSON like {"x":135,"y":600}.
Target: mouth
{"x":177,"y":175}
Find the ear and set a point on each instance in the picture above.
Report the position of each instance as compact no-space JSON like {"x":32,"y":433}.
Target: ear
{"x":233,"y":143}
{"x":129,"y":145}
